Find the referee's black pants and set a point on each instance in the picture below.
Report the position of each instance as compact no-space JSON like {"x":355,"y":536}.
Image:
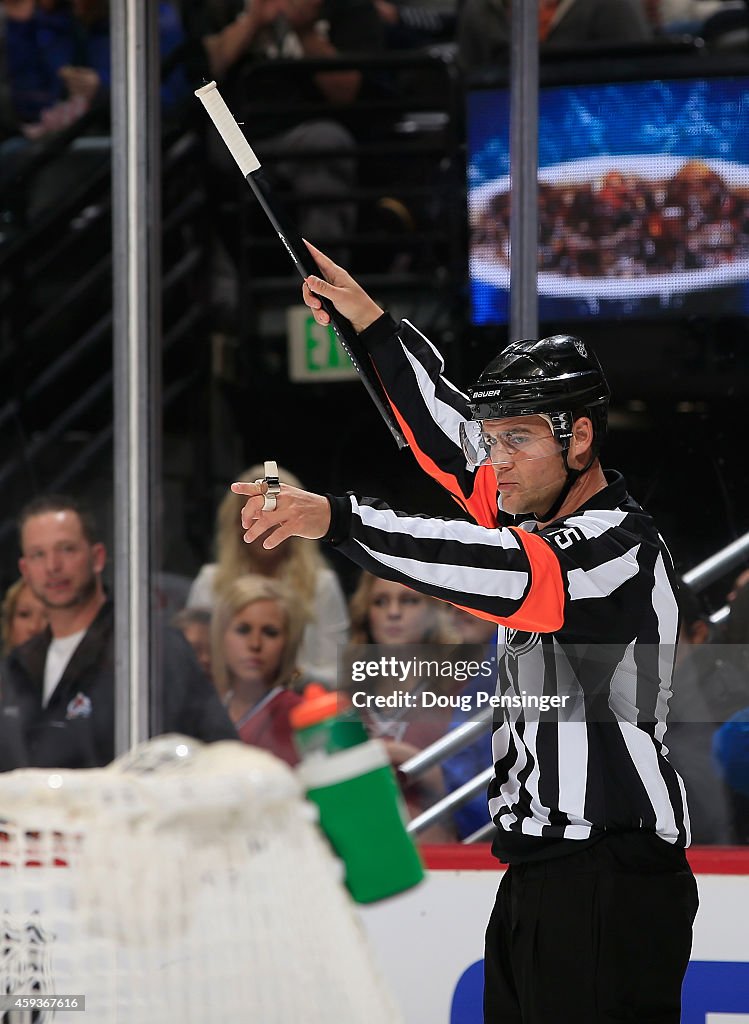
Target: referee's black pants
{"x":600,"y":936}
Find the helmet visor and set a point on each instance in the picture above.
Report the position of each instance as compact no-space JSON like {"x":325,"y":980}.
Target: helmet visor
{"x":498,"y":442}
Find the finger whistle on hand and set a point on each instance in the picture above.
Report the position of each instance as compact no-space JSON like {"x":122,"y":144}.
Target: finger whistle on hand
{"x":273,"y":486}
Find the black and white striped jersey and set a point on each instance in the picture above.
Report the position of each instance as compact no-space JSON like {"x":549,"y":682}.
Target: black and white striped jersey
{"x":586,"y":607}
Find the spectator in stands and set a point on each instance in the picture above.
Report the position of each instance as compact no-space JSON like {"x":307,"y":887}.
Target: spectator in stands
{"x":692,"y":722}
{"x":297,"y":563}
{"x":409,"y":25}
{"x":467,"y":628}
{"x":389,"y":613}
{"x":195,"y":626}
{"x":391,"y":616}
{"x":731,"y":749}
{"x":730,"y":689}
{"x":466,"y":764}
{"x":59,"y":68}
{"x":484,"y":26}
{"x":727,"y":688}
{"x":236,"y":34}
{"x":40,"y":41}
{"x":23,"y":616}
{"x":679,"y":17}
{"x":59,"y":686}
{"x":741,"y":581}
{"x":37,"y":43}
{"x":269,"y":29}
{"x":256,"y":631}
{"x":59,"y":59}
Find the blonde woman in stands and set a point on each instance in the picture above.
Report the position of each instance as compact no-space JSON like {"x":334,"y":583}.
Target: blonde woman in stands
{"x":23,"y":616}
{"x":383,"y":612}
{"x":256,"y":630}
{"x":298,"y":563}
{"x":389,"y":615}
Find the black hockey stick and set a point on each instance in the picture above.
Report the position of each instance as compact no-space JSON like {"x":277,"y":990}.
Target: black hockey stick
{"x":250,"y":167}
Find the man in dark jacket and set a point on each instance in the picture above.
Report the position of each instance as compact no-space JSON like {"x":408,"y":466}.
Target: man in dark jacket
{"x":58,"y":688}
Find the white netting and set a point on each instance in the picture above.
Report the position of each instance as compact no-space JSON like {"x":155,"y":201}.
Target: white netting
{"x":186,"y":884}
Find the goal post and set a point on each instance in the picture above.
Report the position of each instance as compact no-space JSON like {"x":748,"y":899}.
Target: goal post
{"x":184,"y":883}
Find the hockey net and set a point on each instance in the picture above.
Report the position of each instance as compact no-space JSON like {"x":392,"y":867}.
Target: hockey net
{"x":186,"y":883}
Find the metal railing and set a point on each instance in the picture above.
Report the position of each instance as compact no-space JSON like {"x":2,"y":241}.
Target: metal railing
{"x":719,"y":564}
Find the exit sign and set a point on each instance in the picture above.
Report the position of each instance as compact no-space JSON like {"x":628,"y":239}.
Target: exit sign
{"x":315,"y":353}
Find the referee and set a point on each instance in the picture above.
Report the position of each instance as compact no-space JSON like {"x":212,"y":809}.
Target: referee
{"x":593,"y":917}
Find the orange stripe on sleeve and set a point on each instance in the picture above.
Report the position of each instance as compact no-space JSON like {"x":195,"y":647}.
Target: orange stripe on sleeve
{"x":482,"y":504}
{"x":542,"y":611}
{"x":447,"y":480}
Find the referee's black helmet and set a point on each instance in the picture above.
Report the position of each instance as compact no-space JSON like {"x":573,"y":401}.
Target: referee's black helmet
{"x":559,"y":377}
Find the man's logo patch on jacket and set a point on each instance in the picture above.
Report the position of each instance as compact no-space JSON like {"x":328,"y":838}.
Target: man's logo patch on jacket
{"x":79,"y":707}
